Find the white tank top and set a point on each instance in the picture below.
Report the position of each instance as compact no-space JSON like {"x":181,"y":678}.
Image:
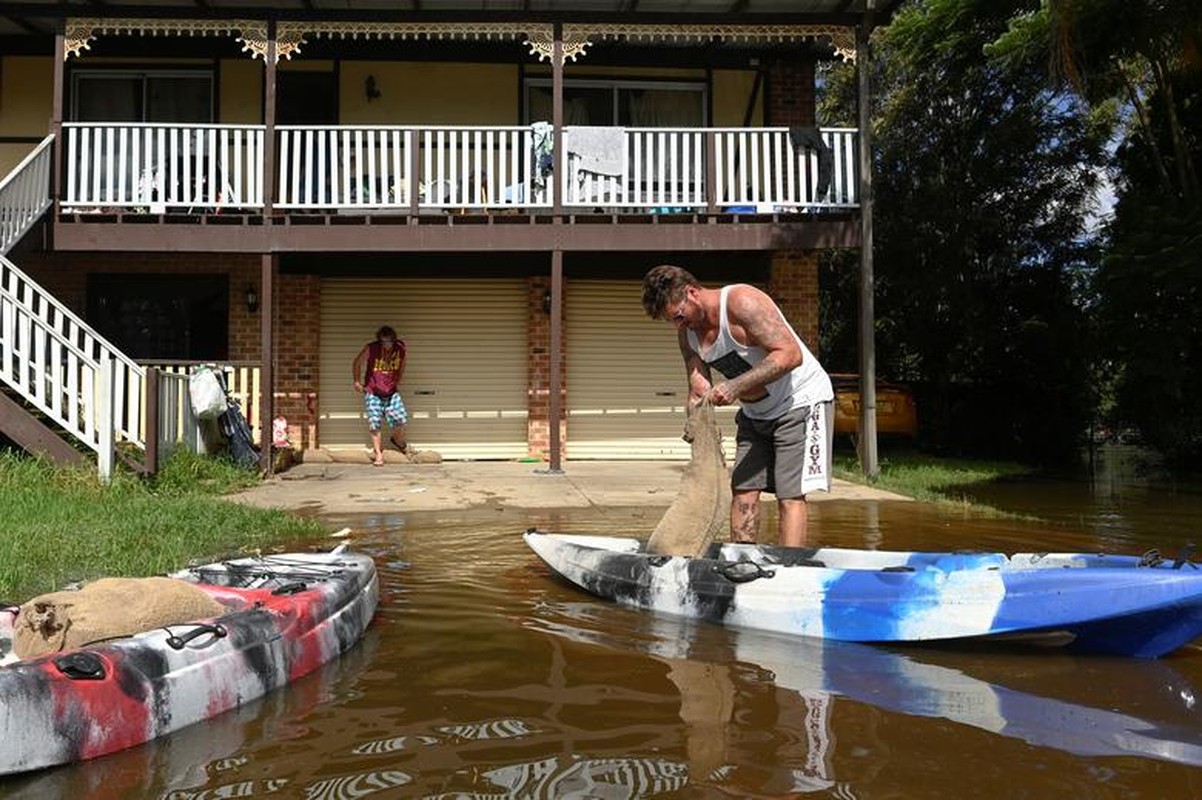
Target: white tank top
{"x":803,"y":386}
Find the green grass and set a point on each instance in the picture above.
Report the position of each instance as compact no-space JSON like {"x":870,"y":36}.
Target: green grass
{"x":59,"y":525}
{"x":929,"y":478}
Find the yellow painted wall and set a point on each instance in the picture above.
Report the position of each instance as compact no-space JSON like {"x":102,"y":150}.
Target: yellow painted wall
{"x":26,"y":84}
{"x":25,"y":108}
{"x":732,"y":89}
{"x":429,"y":93}
{"x":240,"y":97}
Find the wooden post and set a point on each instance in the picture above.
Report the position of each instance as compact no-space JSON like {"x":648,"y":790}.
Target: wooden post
{"x":867,"y":443}
{"x":557,"y":159}
{"x":56,"y":114}
{"x":269,"y":165}
{"x":267,"y":349}
{"x":554,"y":379}
{"x":153,"y":421}
{"x":106,"y":419}
{"x":268,"y":263}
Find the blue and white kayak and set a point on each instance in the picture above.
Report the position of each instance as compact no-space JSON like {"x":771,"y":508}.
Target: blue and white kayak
{"x":1117,"y":604}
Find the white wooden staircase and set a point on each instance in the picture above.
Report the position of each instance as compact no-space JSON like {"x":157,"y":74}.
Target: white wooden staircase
{"x":68,"y":392}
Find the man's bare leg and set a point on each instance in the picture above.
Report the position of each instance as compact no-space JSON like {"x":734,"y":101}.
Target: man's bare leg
{"x":794,"y":516}
{"x":745,"y":515}
{"x":377,"y":452}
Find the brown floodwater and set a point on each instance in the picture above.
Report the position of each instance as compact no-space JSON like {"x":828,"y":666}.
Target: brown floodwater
{"x":485,"y":677}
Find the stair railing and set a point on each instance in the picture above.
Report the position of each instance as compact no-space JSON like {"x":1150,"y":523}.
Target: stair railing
{"x":68,"y":371}
{"x":25,"y":194}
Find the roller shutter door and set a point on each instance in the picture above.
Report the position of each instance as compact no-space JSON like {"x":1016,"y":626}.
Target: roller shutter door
{"x":466,"y":373}
{"x":626,"y":380}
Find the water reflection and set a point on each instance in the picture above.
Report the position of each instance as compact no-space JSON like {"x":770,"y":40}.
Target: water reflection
{"x":1145,"y":709}
{"x":576,"y":777}
{"x":1122,"y":496}
{"x":484,"y":677}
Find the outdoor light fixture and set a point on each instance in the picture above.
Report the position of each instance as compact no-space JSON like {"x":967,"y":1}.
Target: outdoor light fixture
{"x":546,"y":301}
{"x":252,"y":299}
{"x":370,"y":88}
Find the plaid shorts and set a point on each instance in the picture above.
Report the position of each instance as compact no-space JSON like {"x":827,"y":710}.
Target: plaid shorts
{"x":380,"y":407}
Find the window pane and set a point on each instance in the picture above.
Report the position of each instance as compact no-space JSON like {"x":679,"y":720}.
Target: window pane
{"x":661,"y":108}
{"x":582,"y":105}
{"x":177,"y":98}
{"x":162,"y":316}
{"x":108,"y":98}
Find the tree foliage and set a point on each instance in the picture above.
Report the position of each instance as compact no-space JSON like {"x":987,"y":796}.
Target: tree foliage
{"x":983,"y":178}
{"x":1143,"y":60}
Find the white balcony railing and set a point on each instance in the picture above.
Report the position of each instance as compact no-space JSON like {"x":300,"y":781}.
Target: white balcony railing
{"x":754,"y":169}
{"x":160,"y":167}
{"x":421,"y":168}
{"x":379,"y":167}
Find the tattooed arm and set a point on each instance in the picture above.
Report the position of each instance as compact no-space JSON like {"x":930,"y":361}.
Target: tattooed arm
{"x":756,"y":321}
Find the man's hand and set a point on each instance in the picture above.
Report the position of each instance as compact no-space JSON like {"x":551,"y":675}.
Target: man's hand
{"x":721,"y":394}
{"x":358,"y":386}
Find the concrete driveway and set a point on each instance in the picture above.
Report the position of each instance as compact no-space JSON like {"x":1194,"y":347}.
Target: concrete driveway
{"x":334,"y":488}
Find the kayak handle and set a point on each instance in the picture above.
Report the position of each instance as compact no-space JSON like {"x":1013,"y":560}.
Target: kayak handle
{"x":179,"y":642}
{"x":81,"y":666}
{"x":743,"y":571}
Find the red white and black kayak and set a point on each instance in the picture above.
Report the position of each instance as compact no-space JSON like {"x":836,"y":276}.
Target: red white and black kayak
{"x":289,"y":614}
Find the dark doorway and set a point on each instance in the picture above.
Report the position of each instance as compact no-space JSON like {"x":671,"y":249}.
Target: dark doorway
{"x":162,"y":316}
{"x":306,"y":98}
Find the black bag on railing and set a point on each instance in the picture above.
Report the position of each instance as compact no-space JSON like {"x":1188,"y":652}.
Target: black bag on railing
{"x":239,"y":440}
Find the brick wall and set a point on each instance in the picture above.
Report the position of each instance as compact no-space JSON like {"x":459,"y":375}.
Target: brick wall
{"x":789,"y":91}
{"x":793,"y":284}
{"x":538,"y":404}
{"x":297,"y":363}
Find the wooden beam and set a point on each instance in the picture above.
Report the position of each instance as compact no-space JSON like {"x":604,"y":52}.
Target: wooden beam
{"x":455,"y":234}
{"x":33,"y":436}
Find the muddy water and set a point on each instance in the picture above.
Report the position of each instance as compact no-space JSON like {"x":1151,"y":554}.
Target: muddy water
{"x":483,"y":677}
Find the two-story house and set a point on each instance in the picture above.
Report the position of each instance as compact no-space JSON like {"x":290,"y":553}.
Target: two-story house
{"x":264,"y":184}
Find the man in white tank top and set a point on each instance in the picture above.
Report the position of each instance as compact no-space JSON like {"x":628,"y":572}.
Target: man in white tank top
{"x":785,"y":423}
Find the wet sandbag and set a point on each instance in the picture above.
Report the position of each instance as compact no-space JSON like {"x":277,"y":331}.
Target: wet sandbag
{"x":701,"y":510}
{"x":109,"y":608}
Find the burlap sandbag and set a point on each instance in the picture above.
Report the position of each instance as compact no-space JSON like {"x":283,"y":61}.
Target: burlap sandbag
{"x":701,"y":510}
{"x":108,"y":608}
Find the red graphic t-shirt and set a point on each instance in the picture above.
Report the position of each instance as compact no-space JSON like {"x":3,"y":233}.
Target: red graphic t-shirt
{"x":383,"y":368}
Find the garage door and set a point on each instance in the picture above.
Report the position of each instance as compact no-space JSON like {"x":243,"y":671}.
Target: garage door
{"x":626,"y":380}
{"x":465,"y":377}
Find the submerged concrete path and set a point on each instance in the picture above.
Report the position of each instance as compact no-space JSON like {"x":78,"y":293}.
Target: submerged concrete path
{"x":334,"y":488}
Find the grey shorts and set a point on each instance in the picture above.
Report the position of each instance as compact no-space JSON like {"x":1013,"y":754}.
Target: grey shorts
{"x":773,"y":455}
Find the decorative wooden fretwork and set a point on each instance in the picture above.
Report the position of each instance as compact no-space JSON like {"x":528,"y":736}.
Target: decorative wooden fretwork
{"x":842,"y":39}
{"x":81,"y":31}
{"x":542,"y":44}
{"x":539,"y":37}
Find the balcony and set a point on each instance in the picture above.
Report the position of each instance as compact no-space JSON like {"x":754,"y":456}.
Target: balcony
{"x":495,"y":177}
